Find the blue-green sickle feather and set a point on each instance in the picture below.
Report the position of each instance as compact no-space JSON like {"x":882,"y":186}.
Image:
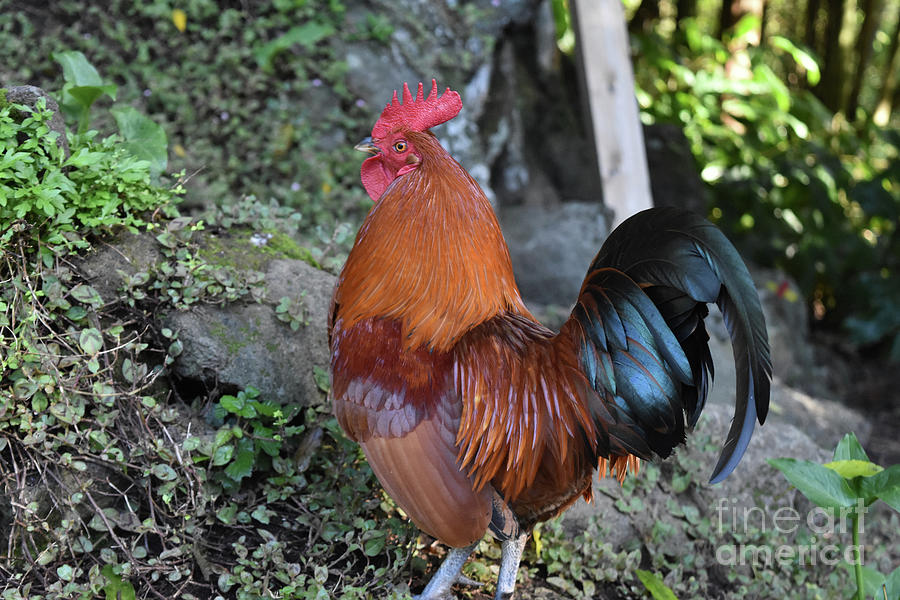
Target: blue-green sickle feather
{"x":641,"y":309}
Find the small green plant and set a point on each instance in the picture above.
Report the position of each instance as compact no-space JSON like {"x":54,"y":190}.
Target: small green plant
{"x":83,"y":87}
{"x":307,"y":35}
{"x":51,"y":198}
{"x":251,"y":435}
{"x":655,"y":585}
{"x":143,"y":138}
{"x":850,"y":483}
{"x":292,"y":312}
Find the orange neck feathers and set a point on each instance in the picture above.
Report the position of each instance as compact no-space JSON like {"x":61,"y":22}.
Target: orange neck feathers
{"x":430,"y":254}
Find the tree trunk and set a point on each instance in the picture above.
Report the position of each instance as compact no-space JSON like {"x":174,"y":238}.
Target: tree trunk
{"x":884,"y":107}
{"x":895,"y":99}
{"x":871,"y":17}
{"x":811,"y":35}
{"x":830,"y":89}
{"x":726,"y":17}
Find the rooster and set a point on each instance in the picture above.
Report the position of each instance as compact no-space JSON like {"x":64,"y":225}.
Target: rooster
{"x":473,"y":415}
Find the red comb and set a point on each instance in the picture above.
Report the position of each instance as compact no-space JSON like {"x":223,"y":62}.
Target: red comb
{"x":417,"y":114}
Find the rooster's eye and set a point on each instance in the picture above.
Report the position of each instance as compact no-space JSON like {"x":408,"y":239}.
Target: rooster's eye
{"x":400,"y":146}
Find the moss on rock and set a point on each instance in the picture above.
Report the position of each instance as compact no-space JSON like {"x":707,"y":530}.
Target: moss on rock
{"x":247,"y":250}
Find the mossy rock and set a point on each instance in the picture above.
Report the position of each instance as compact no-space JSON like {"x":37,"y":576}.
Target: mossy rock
{"x":232,"y":345}
{"x":249,"y":250}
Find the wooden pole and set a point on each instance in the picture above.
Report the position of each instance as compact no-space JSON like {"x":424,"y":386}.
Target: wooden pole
{"x":606,"y":75}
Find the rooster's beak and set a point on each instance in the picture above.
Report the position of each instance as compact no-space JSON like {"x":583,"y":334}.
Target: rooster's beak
{"x":367,"y":146}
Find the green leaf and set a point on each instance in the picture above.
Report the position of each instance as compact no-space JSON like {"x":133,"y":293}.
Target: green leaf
{"x":655,"y":585}
{"x":223,"y":436}
{"x":83,"y":86}
{"x":800,"y":56}
{"x":262,"y":514}
{"x":133,"y":372}
{"x":76,"y":313}
{"x":77,"y":70}
{"x":777,"y":88}
{"x":849,"y":448}
{"x":821,"y":485}
{"x":191,"y":443}
{"x":226,"y":514}
{"x":242,"y":465}
{"x":848,"y":469}
{"x":87,"y":295}
{"x":164,"y":472}
{"x":68,"y":413}
{"x":747,"y":24}
{"x":884,"y":485}
{"x":222,"y":455}
{"x":86,"y":95}
{"x":231,"y":403}
{"x":892,"y":582}
{"x":116,"y":589}
{"x":375,"y":545}
{"x":307,"y":35}
{"x":322,"y":378}
{"x":90,"y":340}
{"x":175,"y":348}
{"x":65,"y":572}
{"x":320,"y":573}
{"x":873,"y":581}
{"x":144,"y":138}
{"x":265,"y":439}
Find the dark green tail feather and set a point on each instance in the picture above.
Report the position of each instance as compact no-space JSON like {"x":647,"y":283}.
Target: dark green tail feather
{"x":682,"y":262}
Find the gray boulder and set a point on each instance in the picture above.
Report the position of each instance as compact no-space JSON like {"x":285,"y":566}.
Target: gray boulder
{"x":629,"y":519}
{"x":552,"y":246}
{"x":244,"y":344}
{"x":237,"y":344}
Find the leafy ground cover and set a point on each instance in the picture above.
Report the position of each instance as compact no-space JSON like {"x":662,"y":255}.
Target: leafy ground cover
{"x":117,"y":485}
{"x":122,"y":487}
{"x":224,"y":84}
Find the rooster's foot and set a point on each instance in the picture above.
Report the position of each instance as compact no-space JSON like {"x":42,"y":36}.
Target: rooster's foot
{"x":448,"y":575}
{"x":511,"y":555}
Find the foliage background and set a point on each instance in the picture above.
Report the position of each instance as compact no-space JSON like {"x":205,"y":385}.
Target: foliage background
{"x":260,"y":124}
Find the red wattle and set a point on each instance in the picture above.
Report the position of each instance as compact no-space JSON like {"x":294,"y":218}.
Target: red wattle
{"x":374,"y":177}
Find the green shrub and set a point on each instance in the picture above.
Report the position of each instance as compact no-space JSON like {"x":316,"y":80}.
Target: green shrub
{"x":253,"y":97}
{"x":114,"y":493}
{"x":794,"y":185}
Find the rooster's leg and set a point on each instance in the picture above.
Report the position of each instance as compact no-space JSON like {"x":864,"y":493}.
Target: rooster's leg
{"x":448,"y":574}
{"x":511,"y":554}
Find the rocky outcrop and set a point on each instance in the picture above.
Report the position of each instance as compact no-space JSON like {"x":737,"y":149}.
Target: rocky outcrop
{"x":245,"y":344}
{"x":753,"y":483}
{"x":230,"y":346}
{"x":521,"y":133}
{"x":552,"y":246}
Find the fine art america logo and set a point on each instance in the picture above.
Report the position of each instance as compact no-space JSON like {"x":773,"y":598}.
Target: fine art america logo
{"x":826,"y":525}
